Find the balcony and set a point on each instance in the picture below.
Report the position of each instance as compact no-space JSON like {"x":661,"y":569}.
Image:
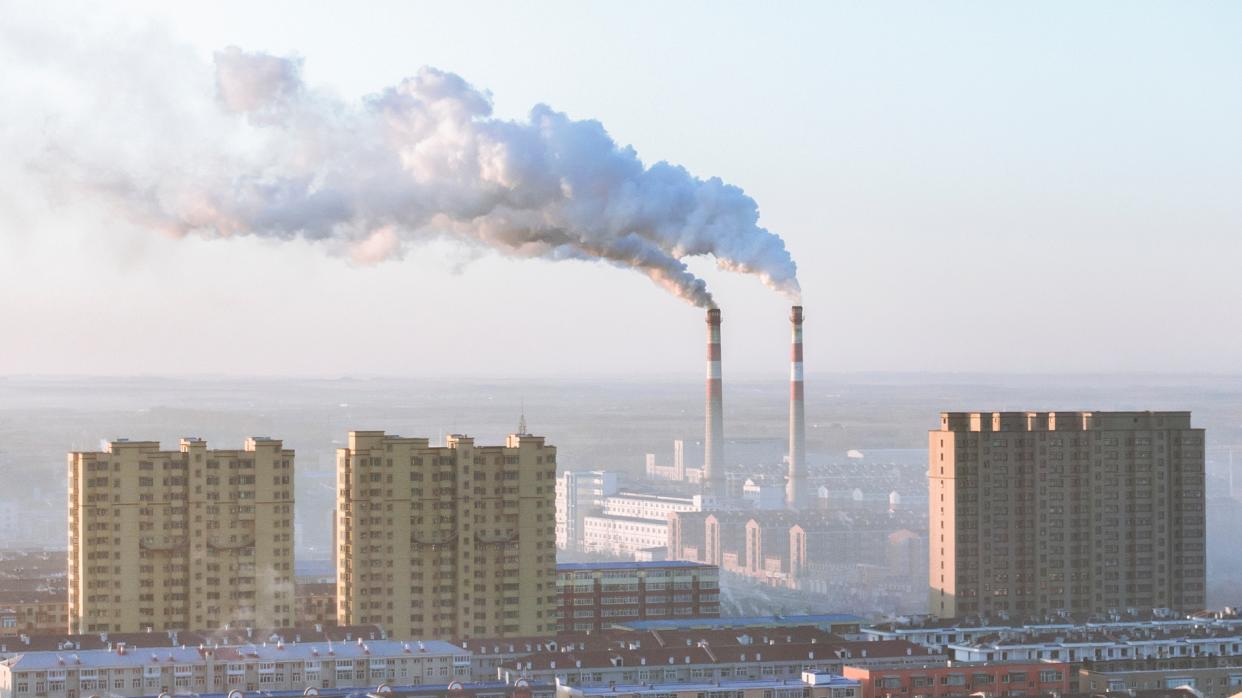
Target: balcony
{"x":231,"y":542}
{"x":162,"y":543}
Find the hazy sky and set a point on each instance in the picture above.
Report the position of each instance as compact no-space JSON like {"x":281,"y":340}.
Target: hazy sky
{"x":1008,"y":187}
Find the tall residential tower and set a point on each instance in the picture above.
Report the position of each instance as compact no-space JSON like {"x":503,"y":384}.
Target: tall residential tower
{"x":174,"y":540}
{"x":1032,"y":513}
{"x":445,"y":542}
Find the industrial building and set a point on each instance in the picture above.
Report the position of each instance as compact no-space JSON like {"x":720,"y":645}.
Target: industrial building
{"x":791,"y":549}
{"x":194,"y":538}
{"x":630,"y":524}
{"x":1035,"y":513}
{"x":579,"y":493}
{"x":451,"y":541}
{"x":713,"y":480}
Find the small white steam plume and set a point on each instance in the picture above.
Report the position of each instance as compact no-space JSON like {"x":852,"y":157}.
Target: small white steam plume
{"x":427,"y":158}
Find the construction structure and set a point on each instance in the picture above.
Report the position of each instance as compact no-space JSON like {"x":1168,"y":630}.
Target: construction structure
{"x":1038,"y":513}
{"x":451,"y":541}
{"x":194,"y":538}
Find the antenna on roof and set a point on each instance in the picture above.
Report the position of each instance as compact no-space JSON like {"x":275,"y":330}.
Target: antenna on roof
{"x":522,"y":420}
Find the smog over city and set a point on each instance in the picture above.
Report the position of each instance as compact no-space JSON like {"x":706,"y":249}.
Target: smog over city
{"x":325,"y":353}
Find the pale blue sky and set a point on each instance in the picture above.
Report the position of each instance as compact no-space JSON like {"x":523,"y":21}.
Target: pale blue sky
{"x":965,"y":187}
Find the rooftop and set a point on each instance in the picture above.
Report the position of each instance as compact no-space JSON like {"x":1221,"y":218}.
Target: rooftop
{"x":1120,"y":617}
{"x":955,"y":665}
{"x":656,"y":564}
{"x":163,"y":639}
{"x":129,"y":657}
{"x":816,"y":679}
{"x":728,"y":651}
{"x":743,"y":621}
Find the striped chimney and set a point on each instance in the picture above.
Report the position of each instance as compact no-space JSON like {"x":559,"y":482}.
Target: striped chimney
{"x":795,"y":484}
{"x":713,"y":442}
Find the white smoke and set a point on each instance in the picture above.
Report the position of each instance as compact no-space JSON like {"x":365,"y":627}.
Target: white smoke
{"x":426,"y":158}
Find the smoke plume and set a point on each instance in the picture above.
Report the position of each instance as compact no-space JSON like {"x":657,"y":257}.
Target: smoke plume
{"x":426,"y":158}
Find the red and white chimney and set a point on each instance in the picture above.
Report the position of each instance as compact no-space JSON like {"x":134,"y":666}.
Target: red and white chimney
{"x":713,"y":442}
{"x":796,"y":485}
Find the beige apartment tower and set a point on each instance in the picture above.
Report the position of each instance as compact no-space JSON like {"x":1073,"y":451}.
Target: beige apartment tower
{"x":189,"y":539}
{"x":446,"y":542}
{"x":1035,"y":513}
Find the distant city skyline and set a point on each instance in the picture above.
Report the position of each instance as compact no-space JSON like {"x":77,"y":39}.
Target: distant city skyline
{"x":965,"y":188}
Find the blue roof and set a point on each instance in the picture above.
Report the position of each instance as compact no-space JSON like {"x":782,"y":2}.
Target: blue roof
{"x":654,"y":564}
{"x":397,"y":690}
{"x":739,"y":621}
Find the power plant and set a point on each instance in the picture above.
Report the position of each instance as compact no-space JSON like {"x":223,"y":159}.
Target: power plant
{"x":713,"y":442}
{"x":713,"y":480}
{"x":796,"y":485}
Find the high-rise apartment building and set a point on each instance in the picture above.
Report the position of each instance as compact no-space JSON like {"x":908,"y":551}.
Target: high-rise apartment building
{"x":1032,"y":513}
{"x":441,"y":542}
{"x":188,"y":539}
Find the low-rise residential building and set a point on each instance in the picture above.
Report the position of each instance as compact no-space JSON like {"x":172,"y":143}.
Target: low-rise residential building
{"x":76,"y":642}
{"x":940,"y":633}
{"x":122,"y":671}
{"x":1100,"y":645}
{"x":845,"y":625}
{"x":810,"y":685}
{"x":315,"y":603}
{"x":458,"y":689}
{"x":594,"y":596}
{"x":27,"y":612}
{"x":697,"y":656}
{"x":1212,"y":677}
{"x":943,"y":679}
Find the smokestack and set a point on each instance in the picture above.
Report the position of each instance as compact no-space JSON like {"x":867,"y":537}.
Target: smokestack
{"x":795,"y":485}
{"x":713,"y":442}
{"x":679,"y":461}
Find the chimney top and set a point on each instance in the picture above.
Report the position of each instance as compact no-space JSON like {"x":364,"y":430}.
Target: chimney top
{"x":713,"y":316}
{"x":795,"y":314}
